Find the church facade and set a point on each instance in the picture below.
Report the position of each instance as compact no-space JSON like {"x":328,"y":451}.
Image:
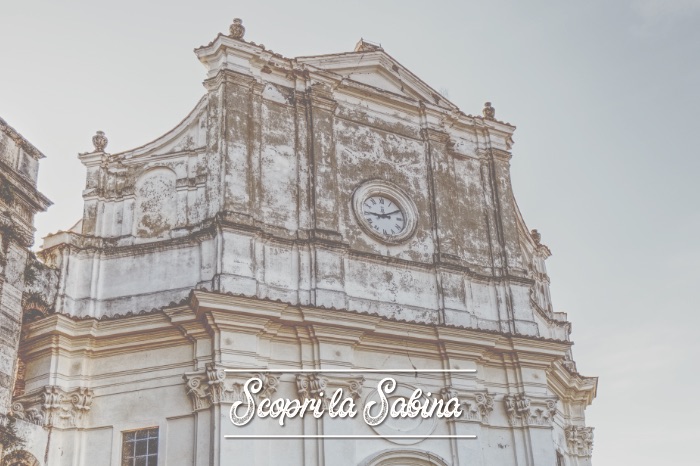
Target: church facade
{"x":318,"y":223}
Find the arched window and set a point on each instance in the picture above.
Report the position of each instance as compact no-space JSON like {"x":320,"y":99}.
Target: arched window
{"x":404,"y":458}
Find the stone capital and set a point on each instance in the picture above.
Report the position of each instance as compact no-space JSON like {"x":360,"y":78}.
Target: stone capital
{"x":215,"y":386}
{"x":525,"y":411}
{"x":55,"y":407}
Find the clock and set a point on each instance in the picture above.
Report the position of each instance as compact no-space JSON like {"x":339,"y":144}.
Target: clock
{"x":384,"y":215}
{"x":384,"y":211}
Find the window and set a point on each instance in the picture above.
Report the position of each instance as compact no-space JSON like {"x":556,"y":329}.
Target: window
{"x":140,"y":447}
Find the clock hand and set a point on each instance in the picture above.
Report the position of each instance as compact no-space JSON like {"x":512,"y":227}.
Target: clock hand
{"x":387,"y":215}
{"x":377,"y":215}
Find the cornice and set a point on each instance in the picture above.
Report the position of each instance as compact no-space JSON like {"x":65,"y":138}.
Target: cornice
{"x":116,"y":335}
{"x":227,"y":309}
{"x":505,"y":342}
{"x":571,"y":386}
{"x":25,"y":189}
{"x":111,"y":247}
{"x":202,"y":301}
{"x":27,"y":146}
{"x":124,"y":247}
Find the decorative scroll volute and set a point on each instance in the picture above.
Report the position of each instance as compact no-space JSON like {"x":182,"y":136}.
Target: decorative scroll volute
{"x":476,"y":406}
{"x":524,"y":411}
{"x":214,"y":386}
{"x":55,"y":407}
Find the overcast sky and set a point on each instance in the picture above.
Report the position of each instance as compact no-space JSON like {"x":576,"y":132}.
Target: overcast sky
{"x":606,"y":98}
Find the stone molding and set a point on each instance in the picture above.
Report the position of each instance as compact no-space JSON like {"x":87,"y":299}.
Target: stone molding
{"x":524,"y":411}
{"x":55,"y":407}
{"x":214,"y":386}
{"x":580,"y":440}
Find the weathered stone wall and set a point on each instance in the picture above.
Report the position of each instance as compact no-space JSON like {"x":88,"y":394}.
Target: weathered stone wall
{"x":252,"y":194}
{"x":14,"y":258}
{"x":19,"y":202}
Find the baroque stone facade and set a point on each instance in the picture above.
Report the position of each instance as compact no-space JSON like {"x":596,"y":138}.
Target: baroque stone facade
{"x":311,"y":215}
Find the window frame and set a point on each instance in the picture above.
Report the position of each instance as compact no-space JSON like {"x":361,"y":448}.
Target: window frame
{"x":150,"y":436}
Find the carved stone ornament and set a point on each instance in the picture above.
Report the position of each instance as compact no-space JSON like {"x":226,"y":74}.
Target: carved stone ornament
{"x":19,"y":378}
{"x":215,"y":386}
{"x":55,"y":407}
{"x":523,"y":411}
{"x":475,"y":406}
{"x":237,"y":31}
{"x":536,"y":236}
{"x":320,"y":386}
{"x":569,"y":363}
{"x":100,"y":141}
{"x":580,"y":440}
{"x":489,"y":112}
{"x":364,"y":46}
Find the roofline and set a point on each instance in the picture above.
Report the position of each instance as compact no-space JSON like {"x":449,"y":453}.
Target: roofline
{"x":21,"y":140}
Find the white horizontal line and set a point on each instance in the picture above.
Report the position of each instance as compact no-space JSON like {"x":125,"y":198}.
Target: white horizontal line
{"x":322,"y":436}
{"x":364,"y":371}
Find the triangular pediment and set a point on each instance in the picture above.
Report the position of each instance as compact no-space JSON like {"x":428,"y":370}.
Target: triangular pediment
{"x":378,"y":69}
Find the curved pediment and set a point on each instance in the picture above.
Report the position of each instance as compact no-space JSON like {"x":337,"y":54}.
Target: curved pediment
{"x":189,"y":134}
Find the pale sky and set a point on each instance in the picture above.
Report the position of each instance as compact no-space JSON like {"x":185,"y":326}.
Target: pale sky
{"x":606,"y":98}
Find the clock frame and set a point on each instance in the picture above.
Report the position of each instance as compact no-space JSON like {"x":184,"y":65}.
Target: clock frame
{"x":378,"y":228}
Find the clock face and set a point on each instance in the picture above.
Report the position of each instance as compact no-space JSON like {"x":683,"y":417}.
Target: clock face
{"x":383,"y":215}
{"x":384,"y":211}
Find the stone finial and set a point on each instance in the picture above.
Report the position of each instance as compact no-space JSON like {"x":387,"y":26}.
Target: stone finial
{"x":237,"y":31}
{"x":489,"y":111}
{"x":536,"y":236}
{"x":100,"y":141}
{"x":365,"y":46}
